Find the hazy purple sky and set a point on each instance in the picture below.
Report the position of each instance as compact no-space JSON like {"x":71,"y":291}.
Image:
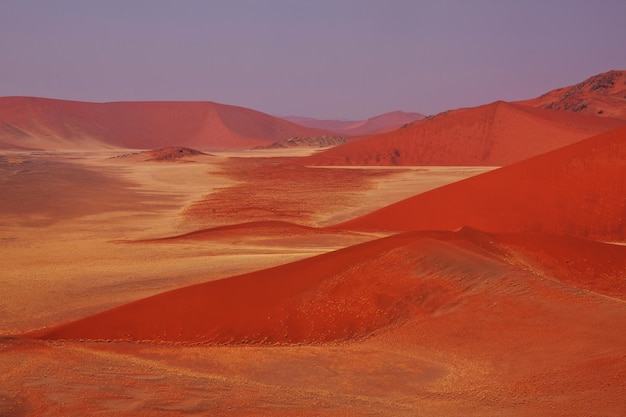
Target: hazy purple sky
{"x":320,"y":58}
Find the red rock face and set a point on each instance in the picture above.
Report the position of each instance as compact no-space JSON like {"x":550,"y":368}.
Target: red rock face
{"x":602,"y":95}
{"x":495,"y":134}
{"x":578,"y":190}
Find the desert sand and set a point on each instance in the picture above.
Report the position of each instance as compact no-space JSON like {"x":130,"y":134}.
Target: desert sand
{"x":151,"y":281}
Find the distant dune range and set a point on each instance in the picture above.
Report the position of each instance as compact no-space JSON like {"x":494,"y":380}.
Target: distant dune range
{"x":377,"y":124}
{"x":38,"y":123}
{"x":495,"y":134}
{"x":578,"y":190}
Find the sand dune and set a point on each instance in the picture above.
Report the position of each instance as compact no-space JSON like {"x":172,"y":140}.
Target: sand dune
{"x":602,"y":95}
{"x":37,"y":123}
{"x":378,"y":124}
{"x":308,"y":301}
{"x":578,"y":190}
{"x":495,"y":134}
{"x":355,"y":292}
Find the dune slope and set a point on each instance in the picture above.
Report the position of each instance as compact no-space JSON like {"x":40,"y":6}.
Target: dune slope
{"x":578,"y":190}
{"x":494,"y":135}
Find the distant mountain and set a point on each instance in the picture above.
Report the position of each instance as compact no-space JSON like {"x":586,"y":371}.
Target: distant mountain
{"x":603,"y":95}
{"x":377,"y":124}
{"x":495,"y":134}
{"x":39,"y":123}
{"x":578,"y":190}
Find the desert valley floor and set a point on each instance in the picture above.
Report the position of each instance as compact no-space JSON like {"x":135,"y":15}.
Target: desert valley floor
{"x":320,"y":319}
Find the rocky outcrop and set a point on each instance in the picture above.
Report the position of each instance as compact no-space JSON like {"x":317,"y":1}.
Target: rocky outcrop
{"x":323,"y":141}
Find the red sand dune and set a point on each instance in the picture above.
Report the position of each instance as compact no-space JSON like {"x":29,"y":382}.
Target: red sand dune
{"x":493,"y":135}
{"x":38,"y":123}
{"x":319,"y":299}
{"x":378,"y":124}
{"x":364,"y":289}
{"x":581,"y":263}
{"x":578,"y":190}
{"x":603,"y":95}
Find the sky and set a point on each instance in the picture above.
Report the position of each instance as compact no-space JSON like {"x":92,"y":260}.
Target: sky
{"x":337,"y":59}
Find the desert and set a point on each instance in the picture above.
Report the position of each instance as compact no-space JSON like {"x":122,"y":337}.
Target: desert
{"x":164,"y":253}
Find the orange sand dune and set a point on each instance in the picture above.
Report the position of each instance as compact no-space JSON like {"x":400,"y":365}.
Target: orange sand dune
{"x":603,"y":95}
{"x":37,"y":123}
{"x":578,"y":190}
{"x":354,"y":292}
{"x":495,"y":134}
{"x":319,"y":299}
{"x":378,"y":124}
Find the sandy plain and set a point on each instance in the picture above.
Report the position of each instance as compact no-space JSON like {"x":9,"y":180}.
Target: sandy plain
{"x":68,"y":220}
{"x":84,"y":232}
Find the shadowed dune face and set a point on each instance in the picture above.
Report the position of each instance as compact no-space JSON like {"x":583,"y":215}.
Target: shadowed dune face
{"x":495,"y":134}
{"x":579,"y":190}
{"x":36,"y":123}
